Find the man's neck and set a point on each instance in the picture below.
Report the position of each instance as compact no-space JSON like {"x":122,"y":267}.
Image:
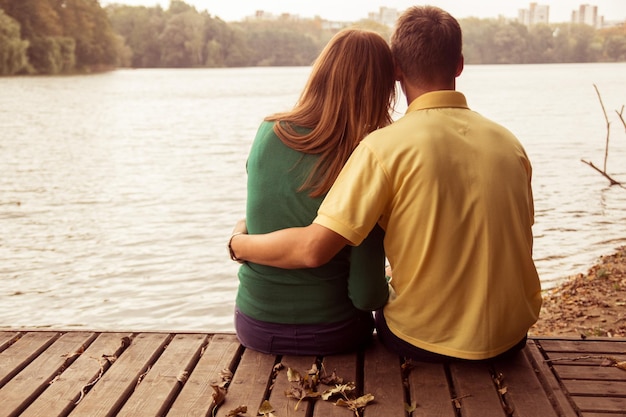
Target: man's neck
{"x":413,"y":91}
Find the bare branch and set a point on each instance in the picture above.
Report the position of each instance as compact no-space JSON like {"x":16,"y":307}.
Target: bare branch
{"x":606,"y":149}
{"x":620,"y":114}
{"x":608,"y":125}
{"x":604,"y":174}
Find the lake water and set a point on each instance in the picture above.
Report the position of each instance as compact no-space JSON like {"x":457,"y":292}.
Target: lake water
{"x":118,"y":191}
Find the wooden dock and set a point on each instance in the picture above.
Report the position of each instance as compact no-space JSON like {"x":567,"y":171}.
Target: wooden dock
{"x":50,"y":373}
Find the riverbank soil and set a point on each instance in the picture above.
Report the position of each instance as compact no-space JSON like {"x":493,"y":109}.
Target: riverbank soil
{"x":588,"y":305}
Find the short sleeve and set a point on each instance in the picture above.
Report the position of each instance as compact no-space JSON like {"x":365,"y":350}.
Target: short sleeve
{"x":358,"y":198}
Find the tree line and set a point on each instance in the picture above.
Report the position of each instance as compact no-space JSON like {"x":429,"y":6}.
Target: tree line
{"x":78,"y":36}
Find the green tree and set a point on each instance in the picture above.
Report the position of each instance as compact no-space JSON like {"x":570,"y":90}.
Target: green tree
{"x":214,"y":31}
{"x":52,"y":55}
{"x":183,"y":37}
{"x":67,"y":49}
{"x":124,"y":54}
{"x":614,"y":44}
{"x":540,"y":44}
{"x":384,"y":30}
{"x":614,"y":48}
{"x":140,"y":29}
{"x":58,"y":29}
{"x":13,"y":57}
{"x":172,"y":40}
{"x":285,"y":41}
{"x":510,"y":43}
{"x":235,"y":48}
{"x":581,"y":42}
{"x":36,"y":17}
{"x":88,"y":24}
{"x":478,"y":40}
{"x":179,"y":6}
{"x":182,"y":40}
{"x":60,"y":36}
{"x":280,"y":47}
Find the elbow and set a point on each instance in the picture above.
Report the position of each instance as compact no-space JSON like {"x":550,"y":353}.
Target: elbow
{"x":373,"y":302}
{"x":314,"y":259}
{"x":368,"y":306}
{"x":318,"y":245}
{"x":315,"y":254}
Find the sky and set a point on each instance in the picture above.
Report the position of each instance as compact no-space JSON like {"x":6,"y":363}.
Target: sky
{"x":353,"y":10}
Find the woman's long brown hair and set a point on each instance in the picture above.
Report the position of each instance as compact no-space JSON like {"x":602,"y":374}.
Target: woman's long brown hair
{"x":349,"y":94}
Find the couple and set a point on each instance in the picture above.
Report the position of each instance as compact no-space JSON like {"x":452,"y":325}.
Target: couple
{"x":334,"y":188}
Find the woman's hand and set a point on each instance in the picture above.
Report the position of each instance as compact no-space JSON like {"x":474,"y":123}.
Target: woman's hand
{"x":388,"y":271}
{"x":240,"y":227}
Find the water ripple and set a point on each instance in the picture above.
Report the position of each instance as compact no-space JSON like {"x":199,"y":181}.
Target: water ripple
{"x":119,"y":190}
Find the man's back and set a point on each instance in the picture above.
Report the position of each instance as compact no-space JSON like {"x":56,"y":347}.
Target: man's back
{"x":458,"y":223}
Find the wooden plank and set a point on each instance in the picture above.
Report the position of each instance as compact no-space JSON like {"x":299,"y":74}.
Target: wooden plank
{"x":18,"y":393}
{"x":590,"y":372}
{"x":583,"y":347}
{"x":382,"y":377}
{"x":7,"y":338}
{"x":249,"y":383}
{"x":599,"y":388}
{"x":622,"y":414}
{"x":283,"y":405}
{"x":196,"y":397}
{"x":22,"y":352}
{"x":43,"y":374}
{"x":475,"y":390}
{"x":551,"y":385}
{"x":524,"y":392}
{"x":600,"y":404}
{"x":65,"y":390}
{"x":157,"y":389}
{"x":429,"y":390}
{"x":113,"y":389}
{"x":345,"y":366}
{"x":577,"y":358}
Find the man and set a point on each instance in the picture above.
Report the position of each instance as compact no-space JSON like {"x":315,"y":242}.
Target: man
{"x":452,"y":190}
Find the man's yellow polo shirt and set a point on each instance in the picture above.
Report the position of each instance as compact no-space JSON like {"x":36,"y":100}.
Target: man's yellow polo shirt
{"x":452,"y":189}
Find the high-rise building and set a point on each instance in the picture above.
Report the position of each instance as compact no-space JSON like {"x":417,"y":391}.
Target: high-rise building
{"x":587,"y":15}
{"x":385,"y":16}
{"x":536,"y":13}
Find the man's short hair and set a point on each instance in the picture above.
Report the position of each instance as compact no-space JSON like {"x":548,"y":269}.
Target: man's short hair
{"x":427,"y":44}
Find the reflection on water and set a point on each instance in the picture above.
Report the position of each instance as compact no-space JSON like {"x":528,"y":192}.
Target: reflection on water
{"x":118,"y":190}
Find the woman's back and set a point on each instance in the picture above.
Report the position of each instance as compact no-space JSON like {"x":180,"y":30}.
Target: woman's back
{"x":295,"y":158}
{"x":315,"y":295}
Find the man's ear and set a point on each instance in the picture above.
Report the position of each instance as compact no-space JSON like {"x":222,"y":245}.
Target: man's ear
{"x":459,"y":68}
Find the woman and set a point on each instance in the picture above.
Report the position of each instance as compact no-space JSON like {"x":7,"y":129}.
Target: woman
{"x":294,"y":160}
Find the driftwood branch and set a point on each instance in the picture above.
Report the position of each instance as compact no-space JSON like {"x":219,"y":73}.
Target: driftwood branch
{"x":620,"y":114}
{"x":604,"y":174}
{"x":606,"y":148}
{"x":608,"y":127}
